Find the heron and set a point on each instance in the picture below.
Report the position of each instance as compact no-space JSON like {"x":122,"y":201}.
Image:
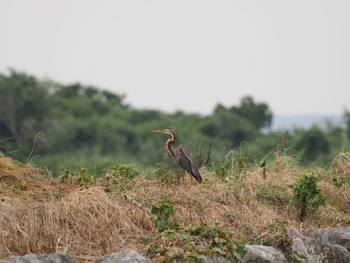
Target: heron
{"x":181,"y":154}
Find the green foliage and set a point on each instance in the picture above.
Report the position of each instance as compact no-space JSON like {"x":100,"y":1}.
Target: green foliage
{"x":164,"y":210}
{"x":124,"y":171}
{"x":259,"y":115}
{"x":307,"y":197}
{"x":230,"y":126}
{"x":118,"y":177}
{"x":347,"y":123}
{"x":81,"y":176}
{"x":195,"y":243}
{"x":75,"y":119}
{"x":279,"y":237}
{"x":312,"y":144}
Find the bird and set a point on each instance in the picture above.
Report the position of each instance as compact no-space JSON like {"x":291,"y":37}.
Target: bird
{"x":181,"y":154}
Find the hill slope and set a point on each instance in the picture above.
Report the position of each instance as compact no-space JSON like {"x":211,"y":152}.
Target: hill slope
{"x":88,"y":218}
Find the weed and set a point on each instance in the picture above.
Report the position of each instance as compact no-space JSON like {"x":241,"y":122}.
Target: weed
{"x":200,"y":158}
{"x":195,"y":243}
{"x":307,"y":196}
{"x":125,"y":171}
{"x":279,"y":238}
{"x":234,"y":162}
{"x":118,"y":177}
{"x":165,"y":174}
{"x":272,"y":194}
{"x":80,"y":175}
{"x":340,"y":169}
{"x":163,"y":211}
{"x":283,"y":157}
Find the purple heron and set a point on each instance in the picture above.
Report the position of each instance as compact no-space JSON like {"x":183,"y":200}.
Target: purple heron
{"x":185,"y":159}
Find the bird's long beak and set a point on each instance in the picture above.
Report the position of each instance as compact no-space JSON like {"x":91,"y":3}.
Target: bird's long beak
{"x":157,"y":131}
{"x":160,"y":131}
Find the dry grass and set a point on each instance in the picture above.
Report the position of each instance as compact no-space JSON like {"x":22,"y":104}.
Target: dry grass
{"x":40,"y":214}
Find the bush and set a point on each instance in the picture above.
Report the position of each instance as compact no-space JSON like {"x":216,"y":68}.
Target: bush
{"x":307,"y":196}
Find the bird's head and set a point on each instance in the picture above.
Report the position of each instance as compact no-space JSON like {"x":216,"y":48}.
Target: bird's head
{"x":167,"y":131}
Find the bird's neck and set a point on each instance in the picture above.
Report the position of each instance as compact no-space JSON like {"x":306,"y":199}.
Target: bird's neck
{"x":169,"y":145}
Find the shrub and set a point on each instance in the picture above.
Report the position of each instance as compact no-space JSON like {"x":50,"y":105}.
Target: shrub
{"x":307,"y":196}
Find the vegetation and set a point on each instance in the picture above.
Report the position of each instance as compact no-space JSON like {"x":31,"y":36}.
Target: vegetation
{"x":307,"y":196}
{"x":163,"y":211}
{"x":71,"y":126}
{"x":194,"y":243}
{"x":75,"y":177}
{"x":186,"y":222}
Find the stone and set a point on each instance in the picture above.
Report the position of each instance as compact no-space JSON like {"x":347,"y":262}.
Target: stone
{"x":40,"y":258}
{"x":322,"y":245}
{"x":127,"y":256}
{"x":263,"y":254}
{"x":339,"y":236}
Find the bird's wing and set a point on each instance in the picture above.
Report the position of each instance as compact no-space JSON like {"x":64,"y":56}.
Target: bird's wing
{"x":187,"y":162}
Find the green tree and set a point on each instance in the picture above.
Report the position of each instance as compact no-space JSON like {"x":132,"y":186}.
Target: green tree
{"x":258,"y":114}
{"x":24,"y":105}
{"x":347,"y":124}
{"x":312,"y":144}
{"x":228,"y":126}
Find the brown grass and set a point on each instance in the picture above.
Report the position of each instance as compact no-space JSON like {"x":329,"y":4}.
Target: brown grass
{"x":40,"y":214}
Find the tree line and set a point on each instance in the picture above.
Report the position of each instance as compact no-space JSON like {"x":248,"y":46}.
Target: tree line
{"x":60,"y":126}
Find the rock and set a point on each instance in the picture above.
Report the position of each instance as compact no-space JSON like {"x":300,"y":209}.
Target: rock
{"x":127,"y":256}
{"x":40,"y":258}
{"x":263,"y":254}
{"x":299,"y":246}
{"x":322,"y":245}
{"x":339,"y":236}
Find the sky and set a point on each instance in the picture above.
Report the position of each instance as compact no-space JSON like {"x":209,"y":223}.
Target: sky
{"x":187,"y":55}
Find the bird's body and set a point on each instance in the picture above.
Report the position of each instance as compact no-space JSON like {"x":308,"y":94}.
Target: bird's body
{"x":184,"y":157}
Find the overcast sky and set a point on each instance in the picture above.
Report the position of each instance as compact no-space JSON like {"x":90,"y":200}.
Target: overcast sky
{"x":293,"y":55}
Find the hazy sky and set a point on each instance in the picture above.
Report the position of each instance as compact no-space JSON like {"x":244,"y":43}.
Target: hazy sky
{"x":293,"y":55}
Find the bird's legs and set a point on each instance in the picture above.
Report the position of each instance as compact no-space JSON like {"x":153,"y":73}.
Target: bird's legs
{"x":188,"y":178}
{"x":178,"y":176}
{"x":191,"y":179}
